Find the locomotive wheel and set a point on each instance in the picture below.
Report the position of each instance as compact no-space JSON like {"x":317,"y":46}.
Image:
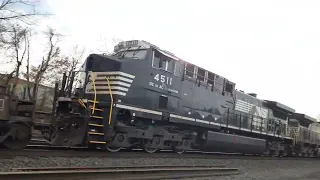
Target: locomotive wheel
{"x":22,"y":137}
{"x":178,"y":151}
{"x":149,"y":143}
{"x":180,"y":146}
{"x":113,"y":149}
{"x":150,"y":150}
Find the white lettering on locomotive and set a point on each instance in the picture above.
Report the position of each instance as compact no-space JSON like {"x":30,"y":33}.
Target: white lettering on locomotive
{"x":260,"y":113}
{"x":162,"y":87}
{"x":163,"y":79}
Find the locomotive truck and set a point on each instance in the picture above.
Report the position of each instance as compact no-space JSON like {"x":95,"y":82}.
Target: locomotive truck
{"x":144,"y":96}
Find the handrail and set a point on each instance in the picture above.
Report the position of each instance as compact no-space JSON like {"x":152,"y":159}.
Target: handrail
{"x":82,"y":103}
{"x":111,"y":100}
{"x":95,"y":92}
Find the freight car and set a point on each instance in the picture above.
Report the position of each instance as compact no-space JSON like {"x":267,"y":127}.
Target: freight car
{"x":15,"y":120}
{"x":143,"y":96}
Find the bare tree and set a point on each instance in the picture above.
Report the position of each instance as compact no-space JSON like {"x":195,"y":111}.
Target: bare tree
{"x":104,"y":48}
{"x":17,"y":12}
{"x":68,"y":64}
{"x":104,"y":45}
{"x":43,"y":100}
{"x":9,"y":10}
{"x":75,"y":62}
{"x":17,"y":48}
{"x":37,"y":74}
{"x":15,"y":39}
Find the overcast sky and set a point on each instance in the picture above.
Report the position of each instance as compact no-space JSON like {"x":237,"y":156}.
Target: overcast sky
{"x":271,"y":48}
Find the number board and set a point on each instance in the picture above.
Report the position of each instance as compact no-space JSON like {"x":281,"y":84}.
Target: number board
{"x":132,"y":43}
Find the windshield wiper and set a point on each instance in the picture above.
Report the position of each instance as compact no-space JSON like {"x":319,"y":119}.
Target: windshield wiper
{"x":124,"y":53}
{"x":136,"y":52}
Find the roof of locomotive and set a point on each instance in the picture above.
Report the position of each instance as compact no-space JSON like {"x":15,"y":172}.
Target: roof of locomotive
{"x":270,"y":104}
{"x":304,"y":117}
{"x":281,"y":106}
{"x":141,"y":44}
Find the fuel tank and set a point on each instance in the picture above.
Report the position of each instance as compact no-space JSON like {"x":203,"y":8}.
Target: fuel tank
{"x":231,"y":143}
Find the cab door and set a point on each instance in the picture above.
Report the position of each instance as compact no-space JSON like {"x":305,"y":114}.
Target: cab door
{"x":164,"y":83}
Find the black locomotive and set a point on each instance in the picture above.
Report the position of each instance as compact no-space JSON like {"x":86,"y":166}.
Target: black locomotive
{"x":15,"y":120}
{"x":143,"y":96}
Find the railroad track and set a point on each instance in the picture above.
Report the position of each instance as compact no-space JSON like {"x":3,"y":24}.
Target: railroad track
{"x":90,"y":154}
{"x":39,"y":147}
{"x":123,"y":172}
{"x":38,"y":141}
{"x":49,"y":151}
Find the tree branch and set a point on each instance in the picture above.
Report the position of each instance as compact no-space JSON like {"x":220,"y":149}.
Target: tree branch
{"x":19,"y":16}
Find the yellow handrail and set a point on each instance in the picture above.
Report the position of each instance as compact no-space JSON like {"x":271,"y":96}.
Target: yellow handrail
{"x":95,"y":93}
{"x":81,"y":103}
{"x":111,"y":98}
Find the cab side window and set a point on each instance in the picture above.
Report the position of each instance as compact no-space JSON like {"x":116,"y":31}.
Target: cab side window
{"x":156,"y":60}
{"x":229,"y":87}
{"x":190,"y":70}
{"x":170,"y":64}
{"x":201,"y":74}
{"x":211,"y":79}
{"x":163,"y":62}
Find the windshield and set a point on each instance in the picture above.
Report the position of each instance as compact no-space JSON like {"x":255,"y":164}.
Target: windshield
{"x":135,"y":54}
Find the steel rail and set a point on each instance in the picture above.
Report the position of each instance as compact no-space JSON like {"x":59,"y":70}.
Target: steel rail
{"x":79,"y":152}
{"x":124,"y":173}
{"x":112,"y":167}
{"x":42,"y":145}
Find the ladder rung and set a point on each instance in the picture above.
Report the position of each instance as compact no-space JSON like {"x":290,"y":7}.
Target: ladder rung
{"x":96,"y":108}
{"x":97,"y":142}
{"x":97,"y":117}
{"x":95,"y":133}
{"x":98,"y":125}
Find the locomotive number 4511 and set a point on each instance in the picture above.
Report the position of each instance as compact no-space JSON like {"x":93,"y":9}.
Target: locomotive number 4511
{"x":163,"y":79}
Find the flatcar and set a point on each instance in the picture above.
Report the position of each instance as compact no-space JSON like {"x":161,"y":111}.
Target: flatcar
{"x":144,"y":96}
{"x":15,"y":120}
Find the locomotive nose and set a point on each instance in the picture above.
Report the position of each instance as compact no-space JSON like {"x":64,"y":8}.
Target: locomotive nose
{"x":106,"y":76}
{"x":103,"y":63}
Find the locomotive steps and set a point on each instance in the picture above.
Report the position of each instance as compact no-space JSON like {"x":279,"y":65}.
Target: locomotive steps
{"x":122,"y":172}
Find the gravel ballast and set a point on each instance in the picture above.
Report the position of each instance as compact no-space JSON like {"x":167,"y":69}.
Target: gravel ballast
{"x":253,"y":169}
{"x":273,"y":170}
